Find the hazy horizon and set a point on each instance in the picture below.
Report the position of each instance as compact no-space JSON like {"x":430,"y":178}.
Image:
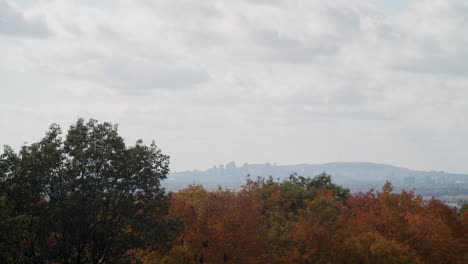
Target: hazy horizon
{"x":238,"y":165}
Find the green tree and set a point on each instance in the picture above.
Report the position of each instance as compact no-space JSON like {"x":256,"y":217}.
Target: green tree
{"x":92,"y":198}
{"x":322,"y":181}
{"x":13,"y":230}
{"x":462,"y":207}
{"x":283,"y":202}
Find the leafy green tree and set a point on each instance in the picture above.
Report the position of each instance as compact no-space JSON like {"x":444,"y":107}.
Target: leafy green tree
{"x":462,"y":207}
{"x":13,"y":230}
{"x":92,"y":198}
{"x":284,"y":201}
{"x":322,"y":181}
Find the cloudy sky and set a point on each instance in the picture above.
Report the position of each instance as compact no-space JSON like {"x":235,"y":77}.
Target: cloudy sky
{"x":285,"y":81}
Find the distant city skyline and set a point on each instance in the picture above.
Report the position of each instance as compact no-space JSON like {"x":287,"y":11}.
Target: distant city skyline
{"x":239,"y":165}
{"x":346,"y":173}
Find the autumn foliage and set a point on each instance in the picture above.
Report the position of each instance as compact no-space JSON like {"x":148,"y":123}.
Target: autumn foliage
{"x":311,"y":220}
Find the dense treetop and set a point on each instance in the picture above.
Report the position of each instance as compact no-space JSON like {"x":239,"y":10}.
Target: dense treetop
{"x":88,"y":197}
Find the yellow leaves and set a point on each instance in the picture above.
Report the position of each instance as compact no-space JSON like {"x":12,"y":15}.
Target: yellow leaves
{"x":367,"y":248}
{"x":193,"y":196}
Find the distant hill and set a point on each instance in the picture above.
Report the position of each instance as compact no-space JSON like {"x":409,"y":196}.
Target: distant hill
{"x":348,"y":173}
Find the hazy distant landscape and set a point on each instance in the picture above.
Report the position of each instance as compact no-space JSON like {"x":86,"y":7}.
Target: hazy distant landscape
{"x":350,"y":173}
{"x":358,"y":176}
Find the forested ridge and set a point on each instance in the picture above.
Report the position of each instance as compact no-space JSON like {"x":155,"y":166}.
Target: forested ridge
{"x":87,"y":197}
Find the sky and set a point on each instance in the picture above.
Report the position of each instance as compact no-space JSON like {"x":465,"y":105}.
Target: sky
{"x":213,"y":81}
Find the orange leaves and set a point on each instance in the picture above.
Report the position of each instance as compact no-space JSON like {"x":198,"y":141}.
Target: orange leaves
{"x":221,"y":227}
{"x":431,"y":238}
{"x":383,"y":212}
{"x":290,"y":222}
{"x":427,"y":229}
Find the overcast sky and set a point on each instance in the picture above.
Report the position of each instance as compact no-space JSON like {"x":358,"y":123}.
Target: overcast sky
{"x":285,"y":81}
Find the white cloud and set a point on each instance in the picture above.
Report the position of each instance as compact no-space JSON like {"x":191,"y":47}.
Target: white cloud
{"x":15,"y":23}
{"x":250,"y":80}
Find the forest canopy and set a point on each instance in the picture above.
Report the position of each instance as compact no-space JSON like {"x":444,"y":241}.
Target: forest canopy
{"x":87,"y":197}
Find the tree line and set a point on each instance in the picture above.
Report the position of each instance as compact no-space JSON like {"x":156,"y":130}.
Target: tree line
{"x":87,"y":197}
